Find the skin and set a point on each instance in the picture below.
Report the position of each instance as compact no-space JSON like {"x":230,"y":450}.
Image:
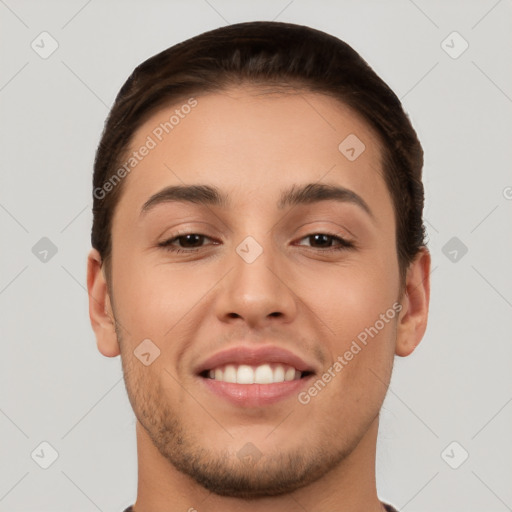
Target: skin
{"x":297,"y":295}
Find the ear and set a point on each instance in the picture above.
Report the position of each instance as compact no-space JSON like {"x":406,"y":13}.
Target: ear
{"x":100,"y":308}
{"x":412,"y":321}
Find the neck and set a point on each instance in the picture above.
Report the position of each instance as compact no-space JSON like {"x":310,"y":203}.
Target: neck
{"x":349,"y":487}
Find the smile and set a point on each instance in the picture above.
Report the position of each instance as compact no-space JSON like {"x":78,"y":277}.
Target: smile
{"x":266,"y":373}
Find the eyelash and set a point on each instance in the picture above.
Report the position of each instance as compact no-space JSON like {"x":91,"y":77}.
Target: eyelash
{"x":342,"y":243}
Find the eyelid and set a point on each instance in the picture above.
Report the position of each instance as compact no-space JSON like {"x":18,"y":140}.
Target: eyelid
{"x":173,"y":237}
{"x":320,"y":226}
{"x":343,"y":244}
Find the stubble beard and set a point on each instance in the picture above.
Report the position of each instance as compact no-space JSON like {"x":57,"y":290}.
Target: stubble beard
{"x":221,"y":471}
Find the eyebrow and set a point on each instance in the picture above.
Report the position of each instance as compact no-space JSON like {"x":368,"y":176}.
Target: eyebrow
{"x":294,"y":196}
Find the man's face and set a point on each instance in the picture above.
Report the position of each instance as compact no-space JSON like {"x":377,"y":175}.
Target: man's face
{"x":258,"y":295}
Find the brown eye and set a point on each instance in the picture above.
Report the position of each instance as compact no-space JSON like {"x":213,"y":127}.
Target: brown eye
{"x":187,"y":242}
{"x":190,"y":241}
{"x":327,"y":241}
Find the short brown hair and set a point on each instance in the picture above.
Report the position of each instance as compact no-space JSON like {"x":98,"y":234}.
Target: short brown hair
{"x":279,"y":55}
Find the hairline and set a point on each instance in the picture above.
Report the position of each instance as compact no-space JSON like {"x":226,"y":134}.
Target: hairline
{"x":260,"y":87}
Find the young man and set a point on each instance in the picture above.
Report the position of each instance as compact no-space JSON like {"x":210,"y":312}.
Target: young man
{"x":258,"y":260}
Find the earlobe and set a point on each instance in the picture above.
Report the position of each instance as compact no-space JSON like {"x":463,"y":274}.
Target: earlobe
{"x":100,"y":308}
{"x":412,"y":321}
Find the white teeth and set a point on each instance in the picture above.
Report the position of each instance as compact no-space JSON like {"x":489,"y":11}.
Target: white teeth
{"x":278,"y":373}
{"x":262,"y":374}
{"x":244,"y":375}
{"x":229,"y":373}
{"x":290,"y":373}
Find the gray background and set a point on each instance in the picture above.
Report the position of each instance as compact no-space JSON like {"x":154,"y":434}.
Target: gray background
{"x":54,"y":384}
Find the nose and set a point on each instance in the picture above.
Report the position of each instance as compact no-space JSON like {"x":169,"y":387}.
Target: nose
{"x":257,"y":292}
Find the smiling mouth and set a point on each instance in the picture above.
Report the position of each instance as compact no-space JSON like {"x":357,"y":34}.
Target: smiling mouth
{"x":268,"y":373}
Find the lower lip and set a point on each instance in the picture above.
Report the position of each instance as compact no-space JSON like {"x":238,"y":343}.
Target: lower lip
{"x":255,"y":395}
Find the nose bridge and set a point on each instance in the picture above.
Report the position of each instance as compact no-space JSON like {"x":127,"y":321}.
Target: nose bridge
{"x":253,"y":289}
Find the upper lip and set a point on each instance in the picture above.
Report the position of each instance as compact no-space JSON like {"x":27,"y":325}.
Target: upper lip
{"x":254,"y":356}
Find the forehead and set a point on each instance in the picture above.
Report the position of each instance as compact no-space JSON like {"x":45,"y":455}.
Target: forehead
{"x":248,"y":139}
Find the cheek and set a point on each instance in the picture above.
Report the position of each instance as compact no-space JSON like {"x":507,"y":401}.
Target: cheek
{"x":351,"y":298}
{"x":141,"y":299}
{"x":357,"y":303}
{"x":363,"y":320}
{"x":155,"y":301}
